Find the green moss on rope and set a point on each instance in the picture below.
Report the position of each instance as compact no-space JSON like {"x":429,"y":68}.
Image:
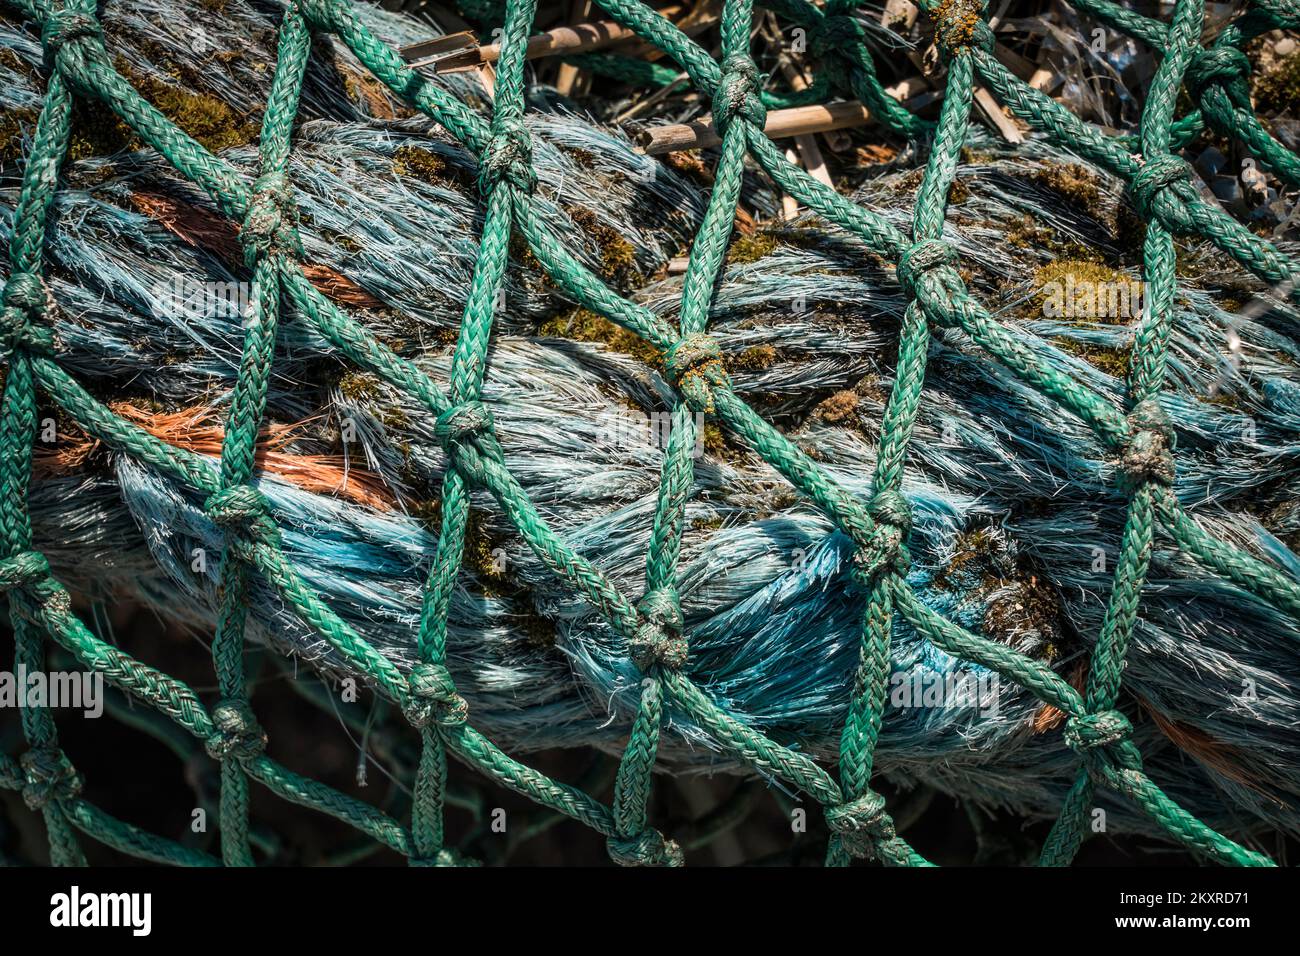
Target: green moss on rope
{"x":15,"y":125}
{"x":1076,"y":184}
{"x":1092,"y":283}
{"x":751,"y":248}
{"x":755,"y":359}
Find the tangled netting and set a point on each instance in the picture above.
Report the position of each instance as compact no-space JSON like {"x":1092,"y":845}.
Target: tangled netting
{"x":1139,"y":435}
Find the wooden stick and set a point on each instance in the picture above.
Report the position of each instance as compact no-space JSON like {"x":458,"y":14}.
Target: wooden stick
{"x":568,"y":75}
{"x":460,"y":51}
{"x":790,"y":205}
{"x":993,"y":111}
{"x":700,"y":133}
{"x":809,"y":151}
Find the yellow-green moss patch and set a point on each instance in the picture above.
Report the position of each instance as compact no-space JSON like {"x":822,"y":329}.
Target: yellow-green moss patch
{"x":426,"y":166}
{"x":617,"y":255}
{"x":1076,"y":184}
{"x":1278,"y":87}
{"x":582,"y":325}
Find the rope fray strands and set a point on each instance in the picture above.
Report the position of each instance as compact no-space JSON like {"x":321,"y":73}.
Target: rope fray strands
{"x":652,"y":630}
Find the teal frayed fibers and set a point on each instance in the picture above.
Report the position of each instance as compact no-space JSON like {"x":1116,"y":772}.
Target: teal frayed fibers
{"x":1003,"y":544}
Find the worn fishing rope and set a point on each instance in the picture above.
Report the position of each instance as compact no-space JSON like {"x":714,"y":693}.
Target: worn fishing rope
{"x":1138,"y":435}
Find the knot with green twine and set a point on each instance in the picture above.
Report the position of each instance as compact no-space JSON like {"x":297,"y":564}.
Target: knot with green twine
{"x":460,"y":423}
{"x":861,"y":823}
{"x":1224,"y":65}
{"x":434,"y":698}
{"x":1162,"y":189}
{"x":30,"y":571}
{"x":48,"y":776}
{"x":1091,"y":731}
{"x":23,"y":570}
{"x":958,"y":25}
{"x":1102,"y":738}
{"x":244,"y":509}
{"x":446,"y":857}
{"x":694,"y":365}
{"x":24,"y":306}
{"x":885,"y":547}
{"x":68,"y":28}
{"x":467,"y":426}
{"x":919,"y":261}
{"x":647,"y":848}
{"x":508,"y":156}
{"x":739,"y":93}
{"x":236,"y":732}
{"x":1148,"y":455}
{"x":658,"y":640}
{"x":270,"y":225}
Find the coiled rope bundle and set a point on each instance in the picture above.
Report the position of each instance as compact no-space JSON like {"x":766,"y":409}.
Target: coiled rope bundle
{"x":644,"y":646}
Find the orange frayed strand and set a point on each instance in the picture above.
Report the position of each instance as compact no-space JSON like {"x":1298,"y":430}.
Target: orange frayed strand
{"x":198,"y":429}
{"x":207,"y":230}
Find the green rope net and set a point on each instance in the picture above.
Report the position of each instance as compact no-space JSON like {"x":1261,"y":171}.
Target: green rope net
{"x":1138,"y":435}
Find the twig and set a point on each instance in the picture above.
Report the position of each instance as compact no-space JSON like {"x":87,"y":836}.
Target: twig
{"x":700,"y":133}
{"x":461,"y":51}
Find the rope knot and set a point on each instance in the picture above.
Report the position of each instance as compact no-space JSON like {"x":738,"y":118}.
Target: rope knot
{"x":446,"y":857}
{"x":1148,"y":455}
{"x":694,"y":365}
{"x":647,"y":848}
{"x":270,"y":226}
{"x":50,"y":776}
{"x":241,"y":508}
{"x":24,"y":305}
{"x":892,"y":509}
{"x":509,"y":156}
{"x":238,"y":734}
{"x":884,"y":547}
{"x":23,"y":570}
{"x":861,"y":823}
{"x":1102,"y":729}
{"x":435,"y":697}
{"x":460,"y":423}
{"x":64,"y":26}
{"x":1161,"y":190}
{"x":739,"y":93}
{"x":659,"y":640}
{"x":833,"y":34}
{"x":919,"y":260}
{"x":1225,"y":65}
{"x":463,"y":430}
{"x":958,"y":25}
